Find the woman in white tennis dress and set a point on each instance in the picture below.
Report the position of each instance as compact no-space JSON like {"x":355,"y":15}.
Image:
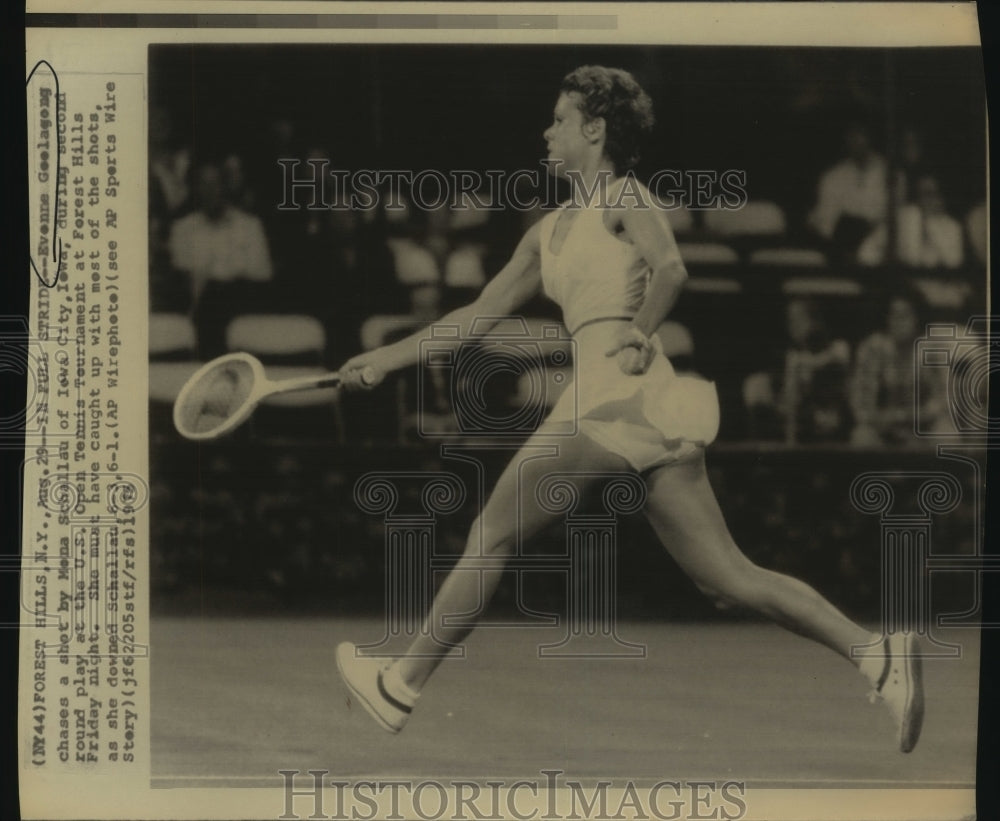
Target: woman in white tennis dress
{"x":609,"y":259}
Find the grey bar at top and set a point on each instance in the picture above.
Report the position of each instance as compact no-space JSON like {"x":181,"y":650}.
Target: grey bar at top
{"x":325,"y":21}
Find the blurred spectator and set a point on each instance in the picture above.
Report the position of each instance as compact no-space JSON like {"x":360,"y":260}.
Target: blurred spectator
{"x":168,"y":196}
{"x":414,"y":264}
{"x":926,"y":236}
{"x":852,"y":196}
{"x":911,"y":165}
{"x":436,"y":230}
{"x":809,"y":402}
{"x":264,"y":176}
{"x":470,"y":215}
{"x":218,"y":241}
{"x":169,"y":289}
{"x":335,"y":262}
{"x":883,"y":382}
{"x":168,"y":168}
{"x":237,"y":188}
{"x":464,"y":267}
{"x":975,"y":227}
{"x":425,"y":302}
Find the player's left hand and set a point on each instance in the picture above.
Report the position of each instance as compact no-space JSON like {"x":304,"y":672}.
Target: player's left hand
{"x":634,"y":350}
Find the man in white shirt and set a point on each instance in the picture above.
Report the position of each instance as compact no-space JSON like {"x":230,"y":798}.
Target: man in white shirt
{"x":926,"y":236}
{"x":219,"y":242}
{"x":852,"y":197}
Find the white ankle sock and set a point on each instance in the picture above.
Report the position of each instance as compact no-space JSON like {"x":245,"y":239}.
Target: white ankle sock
{"x":397,"y":688}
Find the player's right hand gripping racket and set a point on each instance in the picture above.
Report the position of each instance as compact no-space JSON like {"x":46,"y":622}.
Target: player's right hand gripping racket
{"x":223,"y":393}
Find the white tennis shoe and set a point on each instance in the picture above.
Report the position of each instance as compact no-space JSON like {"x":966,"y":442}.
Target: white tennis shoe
{"x":365,"y":679}
{"x":900,"y":686}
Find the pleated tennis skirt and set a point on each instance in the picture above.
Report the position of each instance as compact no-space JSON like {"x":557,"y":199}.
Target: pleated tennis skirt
{"x":652,"y":419}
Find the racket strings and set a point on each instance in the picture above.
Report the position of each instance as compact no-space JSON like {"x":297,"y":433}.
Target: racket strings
{"x":217,"y":396}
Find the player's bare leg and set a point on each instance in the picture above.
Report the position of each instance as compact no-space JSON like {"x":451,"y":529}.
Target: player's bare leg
{"x":467,"y":588}
{"x":511,"y":515}
{"x":686,"y":516}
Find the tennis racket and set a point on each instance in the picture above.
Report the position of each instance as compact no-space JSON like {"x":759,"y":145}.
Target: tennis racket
{"x":223,"y":393}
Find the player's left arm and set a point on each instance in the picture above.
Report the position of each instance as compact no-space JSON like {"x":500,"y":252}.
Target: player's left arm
{"x":648,"y":228}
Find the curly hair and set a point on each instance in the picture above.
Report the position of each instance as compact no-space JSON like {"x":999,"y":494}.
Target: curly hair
{"x":614,"y":94}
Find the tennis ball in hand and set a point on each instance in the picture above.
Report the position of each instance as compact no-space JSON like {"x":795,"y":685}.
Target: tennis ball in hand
{"x":631,"y":360}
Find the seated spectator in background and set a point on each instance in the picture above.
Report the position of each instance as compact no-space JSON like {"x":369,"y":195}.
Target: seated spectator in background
{"x":169,"y":289}
{"x":222,"y":250}
{"x":168,"y":168}
{"x":975,"y":227}
{"x":912,"y":165}
{"x":926,"y":236}
{"x":237,"y":189}
{"x":425,"y":302}
{"x":883,"y":384}
{"x":808,"y":402}
{"x":218,"y":241}
{"x":852,"y":196}
{"x":168,"y":198}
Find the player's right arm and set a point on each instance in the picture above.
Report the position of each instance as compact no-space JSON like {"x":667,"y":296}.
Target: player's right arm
{"x":515,"y":284}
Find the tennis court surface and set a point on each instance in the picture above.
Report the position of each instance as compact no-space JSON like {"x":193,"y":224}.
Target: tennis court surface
{"x":237,"y":700}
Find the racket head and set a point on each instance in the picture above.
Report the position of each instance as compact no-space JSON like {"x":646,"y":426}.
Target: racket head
{"x":219,"y":397}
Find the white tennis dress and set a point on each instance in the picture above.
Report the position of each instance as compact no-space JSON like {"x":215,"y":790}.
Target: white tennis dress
{"x":650,"y":419}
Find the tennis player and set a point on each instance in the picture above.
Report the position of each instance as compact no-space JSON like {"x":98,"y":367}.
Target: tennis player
{"x":611,"y":262}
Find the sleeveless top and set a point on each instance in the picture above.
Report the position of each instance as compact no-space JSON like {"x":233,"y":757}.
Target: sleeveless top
{"x":649,"y":419}
{"x":594,"y":275}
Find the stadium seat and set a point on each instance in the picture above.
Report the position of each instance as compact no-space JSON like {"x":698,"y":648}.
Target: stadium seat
{"x":712,"y":285}
{"x":167,"y":378}
{"x":278,"y":337}
{"x":467,"y":214}
{"x":172,"y":360}
{"x":943,"y":293}
{"x":464,"y":268}
{"x":379,"y":329}
{"x":707,"y":253}
{"x":821,"y":286}
{"x":676,"y":340}
{"x":681,"y":220}
{"x":788,"y":257}
{"x":171,"y":335}
{"x":413,"y":264}
{"x":760,"y":219}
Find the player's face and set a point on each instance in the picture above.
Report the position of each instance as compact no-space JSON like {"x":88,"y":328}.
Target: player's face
{"x":564,"y":139}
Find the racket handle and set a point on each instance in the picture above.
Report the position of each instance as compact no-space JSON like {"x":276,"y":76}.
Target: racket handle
{"x":331,"y":381}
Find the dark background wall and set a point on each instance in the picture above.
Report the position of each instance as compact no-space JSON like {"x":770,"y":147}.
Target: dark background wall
{"x":776,"y":112}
